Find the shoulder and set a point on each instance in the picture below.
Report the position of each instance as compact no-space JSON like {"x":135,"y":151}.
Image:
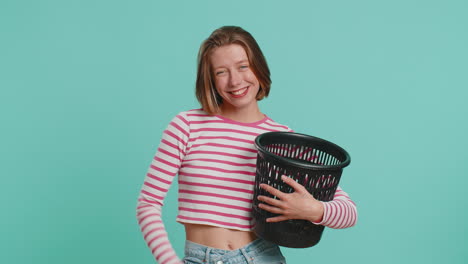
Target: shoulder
{"x":196,"y":118}
{"x":276,"y":126}
{"x":194,"y":115}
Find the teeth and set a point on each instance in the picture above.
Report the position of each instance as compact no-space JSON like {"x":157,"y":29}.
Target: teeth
{"x":238,"y":92}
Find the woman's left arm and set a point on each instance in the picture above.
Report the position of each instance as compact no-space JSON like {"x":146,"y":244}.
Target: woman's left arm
{"x":341,"y":212}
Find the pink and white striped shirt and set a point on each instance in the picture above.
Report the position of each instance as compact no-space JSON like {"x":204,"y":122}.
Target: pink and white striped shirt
{"x":215,"y":160}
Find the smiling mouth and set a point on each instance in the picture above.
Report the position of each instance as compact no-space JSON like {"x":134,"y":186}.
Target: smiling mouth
{"x":239,"y":92}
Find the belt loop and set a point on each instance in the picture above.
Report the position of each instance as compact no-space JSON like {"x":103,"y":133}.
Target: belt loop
{"x":246,"y":256}
{"x":207,"y":255}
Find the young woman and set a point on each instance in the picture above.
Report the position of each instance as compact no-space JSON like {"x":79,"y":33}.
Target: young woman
{"x":211,"y":150}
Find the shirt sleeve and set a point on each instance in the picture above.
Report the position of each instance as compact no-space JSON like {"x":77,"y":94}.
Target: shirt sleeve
{"x":341,"y":212}
{"x":161,"y":173}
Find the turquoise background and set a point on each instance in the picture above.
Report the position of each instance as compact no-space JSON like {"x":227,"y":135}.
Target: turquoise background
{"x":87,"y":88}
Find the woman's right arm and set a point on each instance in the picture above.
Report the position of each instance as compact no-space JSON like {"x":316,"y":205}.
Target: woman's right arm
{"x":161,"y":173}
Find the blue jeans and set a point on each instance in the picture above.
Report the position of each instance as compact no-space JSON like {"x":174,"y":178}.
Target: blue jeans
{"x":259,"y":251}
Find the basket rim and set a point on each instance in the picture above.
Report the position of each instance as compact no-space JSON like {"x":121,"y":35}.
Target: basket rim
{"x":298,"y":163}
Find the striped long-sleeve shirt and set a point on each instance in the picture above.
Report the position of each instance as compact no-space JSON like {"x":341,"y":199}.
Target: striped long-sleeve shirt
{"x":215,"y":160}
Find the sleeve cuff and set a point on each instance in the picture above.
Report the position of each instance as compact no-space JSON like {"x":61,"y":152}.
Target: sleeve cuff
{"x":325,"y":214}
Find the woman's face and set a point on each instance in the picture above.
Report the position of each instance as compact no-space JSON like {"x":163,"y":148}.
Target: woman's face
{"x":234,"y":79}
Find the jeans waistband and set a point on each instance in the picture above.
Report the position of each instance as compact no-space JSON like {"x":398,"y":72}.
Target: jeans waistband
{"x":200,"y":251}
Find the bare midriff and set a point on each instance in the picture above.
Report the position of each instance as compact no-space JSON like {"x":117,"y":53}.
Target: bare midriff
{"x":218,"y":237}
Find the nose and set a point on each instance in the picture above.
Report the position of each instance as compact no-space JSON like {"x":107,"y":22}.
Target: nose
{"x":235,"y":79}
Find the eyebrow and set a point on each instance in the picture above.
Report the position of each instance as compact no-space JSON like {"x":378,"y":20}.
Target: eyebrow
{"x":239,"y":62}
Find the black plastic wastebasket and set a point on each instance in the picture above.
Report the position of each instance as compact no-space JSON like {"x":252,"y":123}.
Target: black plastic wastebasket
{"x":315,"y":163}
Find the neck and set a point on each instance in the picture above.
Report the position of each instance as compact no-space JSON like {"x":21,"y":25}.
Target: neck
{"x":245,"y":115}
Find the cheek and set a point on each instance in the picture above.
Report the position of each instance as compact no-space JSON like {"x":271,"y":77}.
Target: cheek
{"x":252,"y":78}
{"x":219,"y":84}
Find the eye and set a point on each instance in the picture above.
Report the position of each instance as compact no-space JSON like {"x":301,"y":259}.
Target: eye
{"x":220,"y":72}
{"x":243,"y":67}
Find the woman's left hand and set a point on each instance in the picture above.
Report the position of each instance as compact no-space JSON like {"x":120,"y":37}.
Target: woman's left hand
{"x":297,"y":205}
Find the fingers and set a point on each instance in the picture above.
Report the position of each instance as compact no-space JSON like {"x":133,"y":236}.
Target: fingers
{"x":289,"y":181}
{"x":277,"y":219}
{"x":296,"y":186}
{"x":272,"y":190}
{"x":271,"y":209}
{"x":270,"y":201}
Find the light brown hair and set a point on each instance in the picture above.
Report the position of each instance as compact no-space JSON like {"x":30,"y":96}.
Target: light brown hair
{"x":205,"y":89}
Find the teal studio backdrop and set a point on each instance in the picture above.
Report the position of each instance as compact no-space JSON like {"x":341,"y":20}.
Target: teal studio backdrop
{"x":87,"y":88}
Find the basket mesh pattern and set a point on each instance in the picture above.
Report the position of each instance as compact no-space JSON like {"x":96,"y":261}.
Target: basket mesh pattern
{"x":321,"y":180}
